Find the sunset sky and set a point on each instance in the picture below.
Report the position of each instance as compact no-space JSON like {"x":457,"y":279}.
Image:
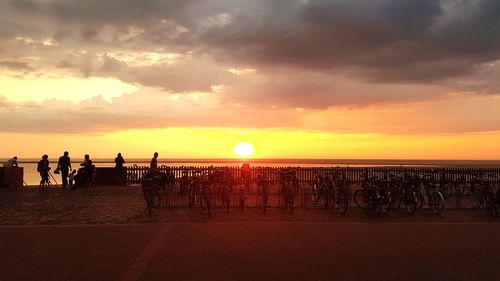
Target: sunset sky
{"x":295,"y":78}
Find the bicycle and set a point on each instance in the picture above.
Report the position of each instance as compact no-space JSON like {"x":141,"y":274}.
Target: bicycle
{"x":373,"y":196}
{"x":289,"y":188}
{"x":206,"y":191}
{"x":263,"y":183}
{"x":341,"y":193}
{"x":486,"y":197}
{"x":242,"y":197}
{"x":193,"y":191}
{"x":194,"y":188}
{"x":206,"y":197}
{"x":152,"y":198}
{"x":428,"y":193}
{"x":226,"y":189}
{"x":323,"y":188}
{"x":167,"y":179}
{"x":469,"y":188}
{"x":184,"y":183}
{"x":403,"y":191}
{"x":455,"y":187}
{"x":157,"y":180}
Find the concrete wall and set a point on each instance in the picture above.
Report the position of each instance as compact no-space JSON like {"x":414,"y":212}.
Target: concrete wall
{"x":11,"y":177}
{"x":106,"y":176}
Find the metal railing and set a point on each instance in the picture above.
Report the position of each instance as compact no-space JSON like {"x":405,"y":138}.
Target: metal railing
{"x":304,"y":175}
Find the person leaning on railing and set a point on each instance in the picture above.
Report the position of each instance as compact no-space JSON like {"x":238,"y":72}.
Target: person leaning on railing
{"x":154,"y":162}
{"x":11,"y":162}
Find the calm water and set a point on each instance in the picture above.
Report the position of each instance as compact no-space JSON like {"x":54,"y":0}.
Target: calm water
{"x":32,"y":177}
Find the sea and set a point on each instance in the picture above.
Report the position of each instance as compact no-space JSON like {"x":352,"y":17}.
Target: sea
{"x":32,"y":177}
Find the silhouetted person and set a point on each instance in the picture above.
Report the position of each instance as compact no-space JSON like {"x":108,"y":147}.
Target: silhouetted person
{"x":88,"y":169}
{"x":43,"y":168}
{"x":154,"y":162}
{"x":64,"y":165}
{"x":119,"y":161}
{"x":11,"y":162}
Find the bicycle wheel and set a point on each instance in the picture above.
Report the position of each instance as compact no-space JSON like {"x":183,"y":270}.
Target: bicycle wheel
{"x":362,"y":201}
{"x":192,"y":198}
{"x":155,"y":199}
{"x":447,"y":190}
{"x":226,"y":201}
{"x":396,"y":198}
{"x":209,"y":205}
{"x":420,"y":198}
{"x":383,"y":204}
{"x":436,"y":202}
{"x":265,"y":198}
{"x":493,"y":210}
{"x":315,"y":190}
{"x":467,"y":189}
{"x":329,"y":199}
{"x":410,"y":202}
{"x":264,"y":202}
{"x":205,"y":202}
{"x":342,"y":201}
{"x":242,"y":200}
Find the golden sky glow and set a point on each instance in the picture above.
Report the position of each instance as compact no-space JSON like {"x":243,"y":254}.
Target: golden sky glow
{"x":296,"y":79}
{"x":218,"y":143}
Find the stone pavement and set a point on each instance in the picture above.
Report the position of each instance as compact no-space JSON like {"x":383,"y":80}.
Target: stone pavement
{"x":118,"y":205}
{"x":103,"y":233}
{"x":251,"y":251}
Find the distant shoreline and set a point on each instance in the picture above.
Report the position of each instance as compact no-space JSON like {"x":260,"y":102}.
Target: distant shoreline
{"x":343,"y":162}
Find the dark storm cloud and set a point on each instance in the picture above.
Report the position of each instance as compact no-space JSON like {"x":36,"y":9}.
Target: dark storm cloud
{"x":419,"y":41}
{"x":474,"y":28}
{"x":299,"y":48}
{"x":186,"y":75}
{"x":384,"y":40}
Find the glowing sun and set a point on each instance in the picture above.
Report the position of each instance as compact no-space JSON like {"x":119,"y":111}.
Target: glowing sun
{"x":244,"y":149}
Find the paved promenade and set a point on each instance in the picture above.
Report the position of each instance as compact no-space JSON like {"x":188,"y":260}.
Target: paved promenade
{"x":119,"y":205}
{"x":103,"y":234}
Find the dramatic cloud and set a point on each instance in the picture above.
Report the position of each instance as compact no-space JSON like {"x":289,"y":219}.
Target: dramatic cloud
{"x":294,"y":57}
{"x":390,"y":41}
{"x":146,"y":110}
{"x":152,"y":110}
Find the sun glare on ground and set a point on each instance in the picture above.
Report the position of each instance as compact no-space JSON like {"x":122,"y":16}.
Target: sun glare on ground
{"x":244,"y":149}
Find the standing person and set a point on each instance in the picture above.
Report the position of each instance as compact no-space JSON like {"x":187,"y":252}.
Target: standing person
{"x":43,"y":168}
{"x":64,"y":165}
{"x":89,"y":169}
{"x":154,"y":162}
{"x":119,"y":161}
{"x":11,"y":162}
